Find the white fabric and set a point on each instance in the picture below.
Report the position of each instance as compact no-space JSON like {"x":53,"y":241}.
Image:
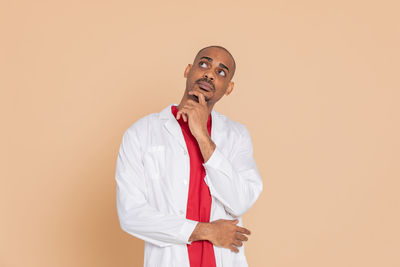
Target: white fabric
{"x":152,"y":176}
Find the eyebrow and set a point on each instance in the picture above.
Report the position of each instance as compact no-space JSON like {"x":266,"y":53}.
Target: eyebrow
{"x":220,"y":64}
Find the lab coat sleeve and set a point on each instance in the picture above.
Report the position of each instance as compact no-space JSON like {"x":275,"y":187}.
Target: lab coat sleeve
{"x":234,"y":181}
{"x":136,"y":216}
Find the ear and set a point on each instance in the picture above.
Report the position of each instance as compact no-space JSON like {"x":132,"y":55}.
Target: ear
{"x":185,"y":74}
{"x":230,"y":88}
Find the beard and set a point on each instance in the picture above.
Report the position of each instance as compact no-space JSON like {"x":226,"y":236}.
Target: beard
{"x":195,"y":98}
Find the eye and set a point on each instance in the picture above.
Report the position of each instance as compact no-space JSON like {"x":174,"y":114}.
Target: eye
{"x":203,"y":64}
{"x":222,"y":73}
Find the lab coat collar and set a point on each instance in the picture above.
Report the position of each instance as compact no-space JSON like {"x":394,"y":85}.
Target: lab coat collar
{"x":173,"y":127}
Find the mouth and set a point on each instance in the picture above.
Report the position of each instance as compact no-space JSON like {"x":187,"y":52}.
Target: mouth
{"x":205,"y":86}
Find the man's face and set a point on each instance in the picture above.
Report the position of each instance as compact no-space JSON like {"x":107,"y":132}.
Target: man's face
{"x":210,"y":74}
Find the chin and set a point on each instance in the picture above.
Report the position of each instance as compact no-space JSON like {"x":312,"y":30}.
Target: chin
{"x":193,"y":97}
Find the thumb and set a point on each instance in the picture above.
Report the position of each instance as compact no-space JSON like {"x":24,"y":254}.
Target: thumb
{"x":235,"y":221}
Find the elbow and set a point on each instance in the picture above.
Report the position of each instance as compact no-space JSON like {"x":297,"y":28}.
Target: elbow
{"x":126,"y":223}
{"x":243,"y":205}
{"x":238,"y":209}
{"x":125,"y":229}
{"x":144,"y":237}
{"x":237,"y":212}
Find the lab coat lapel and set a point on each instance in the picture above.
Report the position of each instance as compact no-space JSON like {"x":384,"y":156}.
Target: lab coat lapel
{"x":172,"y":125}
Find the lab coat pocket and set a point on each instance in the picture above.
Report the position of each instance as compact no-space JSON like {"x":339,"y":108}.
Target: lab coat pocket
{"x":154,"y":162}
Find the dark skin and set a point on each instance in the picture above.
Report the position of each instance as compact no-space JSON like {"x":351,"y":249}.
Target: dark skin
{"x":208,"y":79}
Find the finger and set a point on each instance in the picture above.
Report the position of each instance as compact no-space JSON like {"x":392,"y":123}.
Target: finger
{"x":202,"y":99}
{"x":191,"y":103}
{"x":185,"y":110}
{"x":180,"y":113}
{"x":234,"y":249}
{"x":237,"y":243}
{"x":241,"y":237}
{"x":185,"y":117}
{"x":190,"y":100}
{"x":243,"y":230}
{"x":199,"y":96}
{"x":235,"y":221}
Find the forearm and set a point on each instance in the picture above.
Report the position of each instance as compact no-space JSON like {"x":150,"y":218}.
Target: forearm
{"x":143,"y":221}
{"x":221,"y":233}
{"x":236,"y":189}
{"x":207,"y":146}
{"x":234,"y":180}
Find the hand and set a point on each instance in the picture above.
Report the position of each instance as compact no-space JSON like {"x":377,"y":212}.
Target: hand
{"x":196,"y":113}
{"x":226,"y":234}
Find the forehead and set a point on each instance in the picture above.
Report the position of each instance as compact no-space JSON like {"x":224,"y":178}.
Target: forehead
{"x":218,"y":55}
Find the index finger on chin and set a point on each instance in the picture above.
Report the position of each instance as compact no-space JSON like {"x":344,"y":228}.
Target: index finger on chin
{"x":202,"y":99}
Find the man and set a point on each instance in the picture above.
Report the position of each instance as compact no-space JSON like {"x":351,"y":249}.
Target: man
{"x":186,"y":175}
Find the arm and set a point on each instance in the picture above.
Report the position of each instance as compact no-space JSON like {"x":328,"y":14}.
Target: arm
{"x":222,"y":233}
{"x":234,"y":181}
{"x":136,"y":216}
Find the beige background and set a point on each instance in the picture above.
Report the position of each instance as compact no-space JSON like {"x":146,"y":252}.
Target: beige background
{"x":317,"y":85}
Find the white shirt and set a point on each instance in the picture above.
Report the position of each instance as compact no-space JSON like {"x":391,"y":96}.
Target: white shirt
{"x":152,"y":176}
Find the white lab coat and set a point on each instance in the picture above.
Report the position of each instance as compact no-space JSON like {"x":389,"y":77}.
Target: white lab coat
{"x":152,"y":176}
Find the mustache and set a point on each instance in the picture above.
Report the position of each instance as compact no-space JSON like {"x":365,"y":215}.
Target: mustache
{"x":207,"y":81}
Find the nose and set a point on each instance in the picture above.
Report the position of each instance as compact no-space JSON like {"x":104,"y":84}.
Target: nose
{"x":209,"y":76}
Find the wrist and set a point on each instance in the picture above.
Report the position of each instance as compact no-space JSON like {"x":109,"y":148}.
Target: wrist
{"x":202,"y":135}
{"x":203,"y":231}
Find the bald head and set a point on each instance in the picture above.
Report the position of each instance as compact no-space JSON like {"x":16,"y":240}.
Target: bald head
{"x":224,"y":50}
